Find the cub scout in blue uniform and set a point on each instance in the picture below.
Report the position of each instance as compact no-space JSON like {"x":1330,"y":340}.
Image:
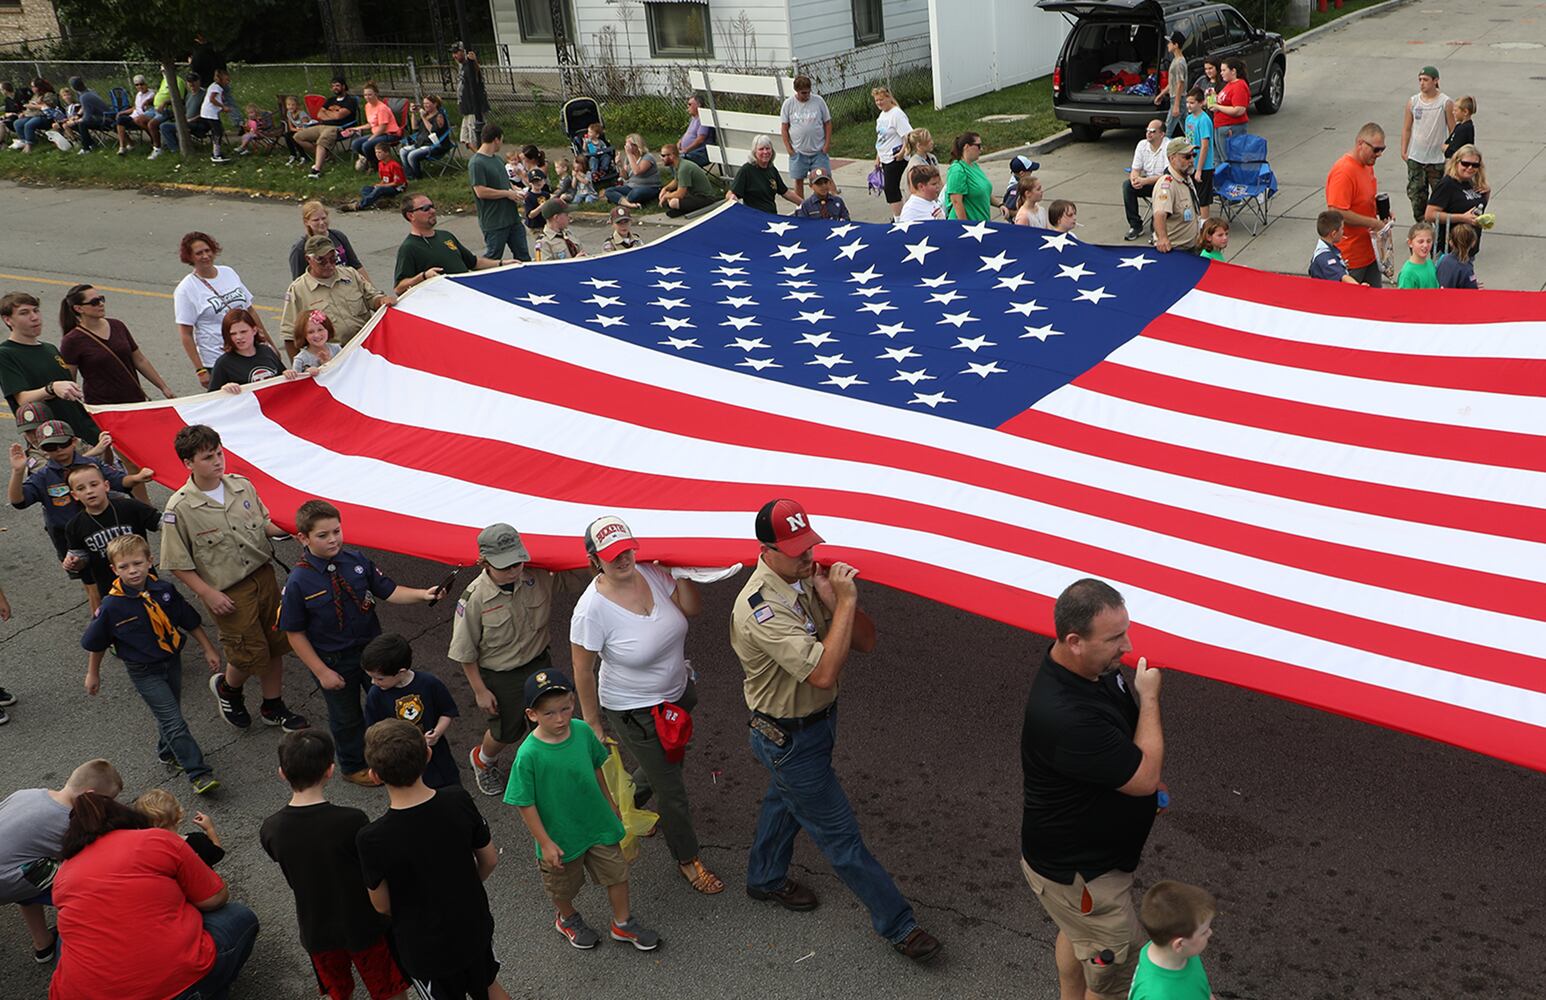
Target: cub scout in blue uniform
{"x":792,"y":627}
{"x":328,"y":609}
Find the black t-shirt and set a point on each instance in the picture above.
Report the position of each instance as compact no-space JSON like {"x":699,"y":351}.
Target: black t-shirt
{"x":348,"y":102}
{"x":1456,"y":198}
{"x":440,"y":915}
{"x":207,"y":850}
{"x":315,"y":848}
{"x":232,"y":367}
{"x":1076,"y":750}
{"x":759,"y":187}
{"x":91,"y":532}
{"x":1463,"y":135}
{"x":423,"y":701}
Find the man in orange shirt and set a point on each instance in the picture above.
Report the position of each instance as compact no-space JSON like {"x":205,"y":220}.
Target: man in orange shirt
{"x":1350,"y":189}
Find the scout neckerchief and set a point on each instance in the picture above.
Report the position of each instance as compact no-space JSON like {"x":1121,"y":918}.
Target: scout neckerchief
{"x":167,"y":636}
{"x":342,"y":590}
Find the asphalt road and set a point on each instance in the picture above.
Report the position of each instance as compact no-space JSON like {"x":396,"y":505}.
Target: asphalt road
{"x":1348,"y":860}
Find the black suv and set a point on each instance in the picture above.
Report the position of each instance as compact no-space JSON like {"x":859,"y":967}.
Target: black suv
{"x":1114,"y":35}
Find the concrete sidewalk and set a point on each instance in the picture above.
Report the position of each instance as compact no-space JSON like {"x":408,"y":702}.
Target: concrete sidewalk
{"x":1357,"y":72}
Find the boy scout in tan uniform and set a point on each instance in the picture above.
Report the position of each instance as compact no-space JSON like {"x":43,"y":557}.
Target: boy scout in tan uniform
{"x":792,"y":627}
{"x":220,"y":550}
{"x":555,"y":243}
{"x":500,"y":637}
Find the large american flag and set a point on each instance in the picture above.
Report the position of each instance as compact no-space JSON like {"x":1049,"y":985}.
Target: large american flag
{"x":1327,"y":493}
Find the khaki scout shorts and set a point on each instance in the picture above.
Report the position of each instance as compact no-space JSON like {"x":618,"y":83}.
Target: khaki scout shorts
{"x":606,"y":865}
{"x":250,"y":635}
{"x":1095,"y":916}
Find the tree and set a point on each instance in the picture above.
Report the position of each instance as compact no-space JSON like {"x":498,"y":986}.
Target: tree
{"x":164,"y":30}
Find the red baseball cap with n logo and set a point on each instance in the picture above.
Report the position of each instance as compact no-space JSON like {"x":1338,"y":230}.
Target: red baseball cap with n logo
{"x":784,"y":525}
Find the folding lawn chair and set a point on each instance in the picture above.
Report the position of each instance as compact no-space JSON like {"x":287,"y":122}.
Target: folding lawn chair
{"x":1244,"y":184}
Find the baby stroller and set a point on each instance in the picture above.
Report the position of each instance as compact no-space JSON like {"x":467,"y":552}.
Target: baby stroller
{"x":579,"y":115}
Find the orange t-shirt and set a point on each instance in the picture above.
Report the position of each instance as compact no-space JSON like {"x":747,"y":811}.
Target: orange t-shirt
{"x":1351,"y":187}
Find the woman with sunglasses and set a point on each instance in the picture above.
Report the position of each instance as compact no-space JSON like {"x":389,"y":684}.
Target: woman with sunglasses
{"x":1460,"y":195}
{"x":967,"y":189}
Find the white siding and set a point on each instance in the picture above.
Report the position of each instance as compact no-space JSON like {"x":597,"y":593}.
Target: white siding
{"x":766,"y":45}
{"x":1010,"y":42}
{"x":824,"y":28}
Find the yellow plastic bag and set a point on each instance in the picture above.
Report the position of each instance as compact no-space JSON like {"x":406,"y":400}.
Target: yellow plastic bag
{"x":636,"y":822}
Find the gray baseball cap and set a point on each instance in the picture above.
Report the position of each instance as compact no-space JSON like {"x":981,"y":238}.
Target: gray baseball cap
{"x":501,"y":547}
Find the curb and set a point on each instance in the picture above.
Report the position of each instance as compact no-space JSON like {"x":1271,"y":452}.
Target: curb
{"x":1056,"y":140}
{"x":1290,"y":44}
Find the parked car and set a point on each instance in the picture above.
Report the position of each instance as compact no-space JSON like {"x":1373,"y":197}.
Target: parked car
{"x":1128,"y":37}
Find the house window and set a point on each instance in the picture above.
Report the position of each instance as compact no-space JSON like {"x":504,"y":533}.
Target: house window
{"x":869,"y":26}
{"x":679,"y":29}
{"x":536,"y":17}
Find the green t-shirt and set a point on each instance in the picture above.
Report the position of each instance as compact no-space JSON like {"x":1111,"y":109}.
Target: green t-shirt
{"x":32,"y":366}
{"x":1414,"y":275}
{"x":560,"y":780}
{"x":759,"y":187}
{"x":1211,"y":255}
{"x":420,"y":253}
{"x":1152,"y":982}
{"x":693,"y":179}
{"x":976,"y":191}
{"x":493,"y":213}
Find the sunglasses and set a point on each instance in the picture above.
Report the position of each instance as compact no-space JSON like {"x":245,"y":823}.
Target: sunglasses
{"x":95,"y":301}
{"x":977,"y":143}
{"x":56,"y":446}
{"x":1473,"y":164}
{"x":1377,"y":149}
{"x":424,"y":207}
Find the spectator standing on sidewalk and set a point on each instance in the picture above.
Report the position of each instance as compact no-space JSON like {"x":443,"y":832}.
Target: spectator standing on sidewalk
{"x":806,"y":125}
{"x":1091,"y":755}
{"x":891,"y":129}
{"x":1426,"y":121}
{"x":471,"y":96}
{"x":1351,"y":190}
{"x":499,"y":202}
{"x":1175,"y":86}
{"x":1231,"y":111}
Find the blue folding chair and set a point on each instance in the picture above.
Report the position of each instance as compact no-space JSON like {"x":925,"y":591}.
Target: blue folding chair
{"x":1244,"y":184}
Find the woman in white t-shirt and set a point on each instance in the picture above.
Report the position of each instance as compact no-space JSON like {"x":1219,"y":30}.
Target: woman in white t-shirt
{"x":891,"y":128}
{"x":634,"y":620}
{"x":202,"y":299}
{"x":923,"y":205}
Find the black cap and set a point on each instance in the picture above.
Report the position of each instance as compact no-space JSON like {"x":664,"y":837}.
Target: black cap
{"x":1178,"y":38}
{"x":543,"y":681}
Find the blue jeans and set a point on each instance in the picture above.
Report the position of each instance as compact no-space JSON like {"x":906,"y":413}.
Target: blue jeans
{"x":636,"y":193}
{"x":415,"y":158}
{"x":365,"y":145}
{"x":372,"y":193}
{"x":196,"y":129}
{"x":1221,"y":136}
{"x":700,"y":155}
{"x":513,"y":236}
{"x":28,"y":129}
{"x":804,"y":793}
{"x":345,"y":714}
{"x":160,"y":684}
{"x":234,"y":928}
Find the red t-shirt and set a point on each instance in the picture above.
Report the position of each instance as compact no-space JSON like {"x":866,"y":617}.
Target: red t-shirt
{"x":1351,"y":187}
{"x":391,"y":173}
{"x":1236,"y":94}
{"x":127,"y":919}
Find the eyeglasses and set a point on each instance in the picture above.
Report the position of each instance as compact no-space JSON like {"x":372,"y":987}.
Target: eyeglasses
{"x":977,"y":142}
{"x":424,"y":207}
{"x":98,"y":300}
{"x":56,"y":446}
{"x":1151,"y":130}
{"x":1471,"y":164}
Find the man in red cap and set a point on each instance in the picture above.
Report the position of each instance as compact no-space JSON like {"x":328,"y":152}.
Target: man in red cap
{"x":793,"y":626}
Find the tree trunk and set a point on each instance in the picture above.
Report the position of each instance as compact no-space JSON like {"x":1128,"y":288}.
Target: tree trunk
{"x":348,"y":22}
{"x":179,"y":103}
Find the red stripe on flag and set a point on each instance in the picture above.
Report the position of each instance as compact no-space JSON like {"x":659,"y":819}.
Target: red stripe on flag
{"x":1421,"y":307}
{"x":1521,"y":376}
{"x":1307,"y":420}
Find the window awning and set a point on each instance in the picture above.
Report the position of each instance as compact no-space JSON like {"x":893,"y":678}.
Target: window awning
{"x":704,"y":3}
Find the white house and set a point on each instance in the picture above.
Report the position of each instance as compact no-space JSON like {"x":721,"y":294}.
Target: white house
{"x":739,"y":33}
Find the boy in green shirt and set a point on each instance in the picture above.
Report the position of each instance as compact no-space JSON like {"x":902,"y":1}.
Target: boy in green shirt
{"x":1179,"y":920}
{"x":564,"y":801}
{"x":1419,"y":271}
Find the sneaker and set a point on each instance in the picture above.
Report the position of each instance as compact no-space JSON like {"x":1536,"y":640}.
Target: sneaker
{"x":363,"y":778}
{"x":17,"y":144}
{"x":205,"y":784}
{"x":920,"y":946}
{"x":155,"y":153}
{"x":635,"y":934}
{"x":123,"y":150}
{"x":170,"y":760}
{"x":793,"y":896}
{"x":314,"y":174}
{"x":232,"y":708}
{"x":43,"y":956}
{"x":218,"y":158}
{"x":280,"y":715}
{"x":4,"y":717}
{"x":7,"y":699}
{"x":1133,"y":233}
{"x":82,"y":151}
{"x":488,"y":779}
{"x":359,"y":164}
{"x":244,"y":151}
{"x":577,"y":931}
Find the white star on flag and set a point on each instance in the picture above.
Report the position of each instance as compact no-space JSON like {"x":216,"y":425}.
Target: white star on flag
{"x":678,"y":343}
{"x":1041,"y":333}
{"x":672,"y":323}
{"x":996,"y":263}
{"x":945,"y":298}
{"x":670,"y":286}
{"x":804,"y":296}
{"x":865,"y":276}
{"x":931,"y":400}
{"x":731,"y":258}
{"x":872,"y":290}
{"x":1094,"y":295}
{"x":848,"y":250}
{"x":661,"y":270}
{"x":975,"y":232}
{"x":779,"y":228}
{"x":919,"y":251}
{"x":913,"y":378}
{"x":540,"y":300}
{"x":957,"y":319}
{"x":1076,"y":272}
{"x":991,"y":368}
{"x":607,"y":321}
{"x":798,"y":271}
{"x":890,"y":330}
{"x":973,"y":344}
{"x":819,"y":316}
{"x":816,"y":339}
{"x":731,"y":283}
{"x":1025,"y":308}
{"x":877,"y":307}
{"x":1137,"y":262}
{"x":838,"y":232}
{"x":740,"y":322}
{"x":898,"y":354}
{"x":1059,"y":242}
{"x":665,"y":303}
{"x":796,"y":284}
{"x":901,"y":227}
{"x":758,"y":363}
{"x":788,"y":251}
{"x":938,"y":281}
{"x":844,"y":381}
{"x":1013,"y":283}
{"x":755,"y":344}
{"x":738,"y":302}
{"x":829,"y":360}
{"x":730,"y":272}
{"x":599,"y":283}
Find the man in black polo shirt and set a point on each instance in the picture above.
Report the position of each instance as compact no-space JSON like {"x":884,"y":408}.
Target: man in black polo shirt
{"x":1091,"y":753}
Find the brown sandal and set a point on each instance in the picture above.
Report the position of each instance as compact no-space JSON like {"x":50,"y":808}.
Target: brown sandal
{"x":701,"y":878}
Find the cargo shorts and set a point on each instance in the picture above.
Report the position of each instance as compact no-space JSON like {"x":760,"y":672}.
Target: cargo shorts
{"x":250,"y":634}
{"x":1100,"y":920}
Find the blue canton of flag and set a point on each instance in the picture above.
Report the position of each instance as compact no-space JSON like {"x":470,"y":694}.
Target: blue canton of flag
{"x":972,"y":322}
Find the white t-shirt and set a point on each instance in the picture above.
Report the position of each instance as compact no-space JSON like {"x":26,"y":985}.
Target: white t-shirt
{"x":142,"y":101}
{"x":202,"y":303}
{"x":1036,"y":217}
{"x":217,"y":494}
{"x":917,"y":208}
{"x":891,"y":127}
{"x":211,"y":95}
{"x":643,"y":657}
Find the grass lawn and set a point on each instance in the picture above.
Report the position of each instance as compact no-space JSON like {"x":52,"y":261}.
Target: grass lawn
{"x":1033,"y":99}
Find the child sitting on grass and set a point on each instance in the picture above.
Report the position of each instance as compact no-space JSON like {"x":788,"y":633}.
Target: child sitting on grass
{"x":252,"y":126}
{"x":166,"y":813}
{"x":393,"y":181}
